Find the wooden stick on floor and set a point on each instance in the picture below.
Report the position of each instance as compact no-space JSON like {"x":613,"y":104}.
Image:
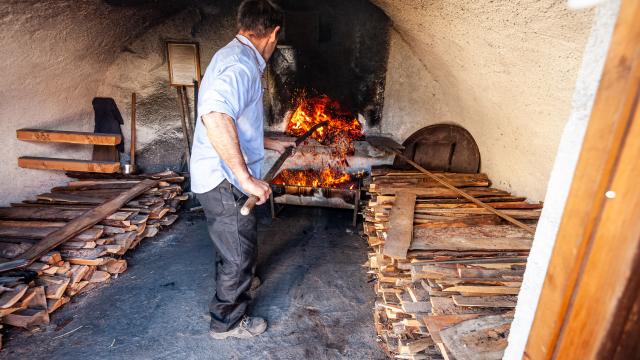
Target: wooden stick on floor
{"x":391,"y":146}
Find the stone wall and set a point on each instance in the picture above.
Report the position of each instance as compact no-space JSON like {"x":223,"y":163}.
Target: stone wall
{"x":54,"y":56}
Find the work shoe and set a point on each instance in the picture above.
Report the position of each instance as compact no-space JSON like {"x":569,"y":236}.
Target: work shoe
{"x":255,"y":284}
{"x":247,"y":328}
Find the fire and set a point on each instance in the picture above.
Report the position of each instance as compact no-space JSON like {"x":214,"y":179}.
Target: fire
{"x":342,"y":129}
{"x":343,"y":126}
{"x":328,"y":177}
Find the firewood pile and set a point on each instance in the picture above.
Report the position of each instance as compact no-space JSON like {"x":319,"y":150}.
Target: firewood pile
{"x":86,"y":256}
{"x":447,"y":272}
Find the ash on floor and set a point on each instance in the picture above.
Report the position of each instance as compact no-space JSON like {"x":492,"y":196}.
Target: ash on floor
{"x":314,"y":295}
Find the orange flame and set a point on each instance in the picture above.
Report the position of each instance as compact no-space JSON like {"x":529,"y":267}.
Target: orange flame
{"x":327,"y":177}
{"x":342,"y":129}
{"x":342,"y":124}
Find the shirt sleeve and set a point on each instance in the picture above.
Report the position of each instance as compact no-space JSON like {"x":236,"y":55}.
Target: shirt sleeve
{"x":229,"y":92}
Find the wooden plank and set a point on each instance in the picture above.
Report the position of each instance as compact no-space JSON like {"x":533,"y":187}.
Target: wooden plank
{"x":53,"y":213}
{"x":43,"y":163}
{"x":70,"y":137}
{"x":42,"y":232}
{"x":482,"y":338}
{"x":77,"y":225}
{"x":498,"y":290}
{"x":399,"y":236}
{"x":477,"y":238}
{"x":486,"y":301}
{"x":582,"y":260}
{"x":9,"y":297}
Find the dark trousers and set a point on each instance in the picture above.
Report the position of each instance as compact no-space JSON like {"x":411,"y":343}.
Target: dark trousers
{"x":234,"y":238}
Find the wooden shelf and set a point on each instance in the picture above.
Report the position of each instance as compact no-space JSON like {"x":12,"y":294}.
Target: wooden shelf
{"x":71,"y":137}
{"x":42,"y":163}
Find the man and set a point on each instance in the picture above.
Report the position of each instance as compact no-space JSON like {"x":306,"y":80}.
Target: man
{"x":226,"y":161}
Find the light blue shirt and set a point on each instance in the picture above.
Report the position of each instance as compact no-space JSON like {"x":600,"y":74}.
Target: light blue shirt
{"x":231,"y":85}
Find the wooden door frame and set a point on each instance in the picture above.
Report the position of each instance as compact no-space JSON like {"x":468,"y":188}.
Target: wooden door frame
{"x":591,"y":288}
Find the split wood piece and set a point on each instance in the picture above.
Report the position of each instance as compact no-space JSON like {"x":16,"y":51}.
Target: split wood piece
{"x":520,"y":213}
{"x":486,"y":301}
{"x":159,"y":214}
{"x":168,"y":220}
{"x":88,"y":219}
{"x":91,"y":262}
{"x":78,"y":272}
{"x":85,"y":253}
{"x":470,"y":271}
{"x":387,"y":144}
{"x":70,"y":137}
{"x":9,"y":297}
{"x":388,"y":199}
{"x":42,"y":232}
{"x":477,"y":238}
{"x":99,"y":276}
{"x":481,"y":338}
{"x":76,"y":288}
{"x":55,"y":304}
{"x":35,"y":315}
{"x":436,"y":323}
{"x":52,"y":258}
{"x":114,"y":266}
{"x":43,"y":163}
{"x":422,"y":180}
{"x":413,"y":347}
{"x":483,"y":290}
{"x":496,"y":205}
{"x":53,"y":213}
{"x":441,"y":193}
{"x":54,"y":286}
{"x":399,"y":236}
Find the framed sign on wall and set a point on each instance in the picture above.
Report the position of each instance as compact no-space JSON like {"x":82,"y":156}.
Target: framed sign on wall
{"x":184,"y":63}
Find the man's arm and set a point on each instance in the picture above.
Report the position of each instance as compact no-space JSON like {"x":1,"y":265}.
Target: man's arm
{"x":223,"y":135}
{"x":278,"y":146}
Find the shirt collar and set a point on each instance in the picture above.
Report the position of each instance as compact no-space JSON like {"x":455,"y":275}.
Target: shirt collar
{"x":262,"y":64}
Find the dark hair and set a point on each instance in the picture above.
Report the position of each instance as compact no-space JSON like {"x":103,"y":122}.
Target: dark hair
{"x":259,"y":17}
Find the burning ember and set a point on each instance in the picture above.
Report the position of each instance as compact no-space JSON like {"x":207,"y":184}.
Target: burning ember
{"x":328,"y":177}
{"x":342,"y":130}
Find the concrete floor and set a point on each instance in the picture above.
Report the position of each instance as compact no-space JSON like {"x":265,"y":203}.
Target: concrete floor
{"x":315,"y":296}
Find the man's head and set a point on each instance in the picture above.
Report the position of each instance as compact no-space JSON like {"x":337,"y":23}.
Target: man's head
{"x":260,"y":21}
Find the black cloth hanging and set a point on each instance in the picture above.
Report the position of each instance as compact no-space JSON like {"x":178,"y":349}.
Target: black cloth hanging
{"x":108,"y":118}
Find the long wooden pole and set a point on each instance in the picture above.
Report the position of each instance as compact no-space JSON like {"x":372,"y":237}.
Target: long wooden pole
{"x":453,"y":188}
{"x":133,"y":129}
{"x":185,"y":130}
{"x":252,"y":200}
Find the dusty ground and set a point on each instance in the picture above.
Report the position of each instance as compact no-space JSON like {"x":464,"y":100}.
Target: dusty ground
{"x":315,"y":296}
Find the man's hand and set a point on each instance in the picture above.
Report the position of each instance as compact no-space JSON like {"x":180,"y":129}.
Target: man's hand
{"x":279,"y":146}
{"x":256,"y":187}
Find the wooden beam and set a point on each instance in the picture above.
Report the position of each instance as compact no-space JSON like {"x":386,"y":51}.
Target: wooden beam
{"x":70,"y":137}
{"x":593,"y":257}
{"x":43,"y":163}
{"x":74,"y":227}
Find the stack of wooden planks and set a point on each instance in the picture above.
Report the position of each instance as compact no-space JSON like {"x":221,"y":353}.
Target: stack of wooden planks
{"x":447,"y":271}
{"x":93,"y":254}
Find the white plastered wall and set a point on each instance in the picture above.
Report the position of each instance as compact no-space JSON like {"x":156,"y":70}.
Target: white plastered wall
{"x":561,"y":176}
{"x":504,"y":70}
